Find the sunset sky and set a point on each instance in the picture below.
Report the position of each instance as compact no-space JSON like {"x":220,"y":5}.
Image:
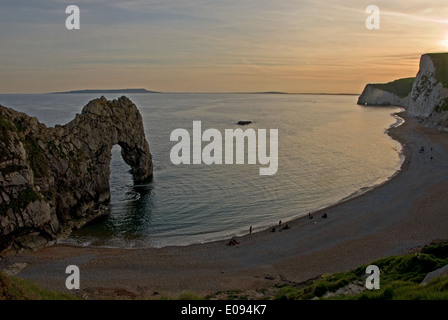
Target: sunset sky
{"x":215,"y":45}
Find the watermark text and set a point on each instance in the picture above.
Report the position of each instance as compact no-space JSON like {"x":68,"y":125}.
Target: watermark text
{"x":234,"y":147}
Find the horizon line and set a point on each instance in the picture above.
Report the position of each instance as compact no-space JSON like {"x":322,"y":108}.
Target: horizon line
{"x":184,"y":92}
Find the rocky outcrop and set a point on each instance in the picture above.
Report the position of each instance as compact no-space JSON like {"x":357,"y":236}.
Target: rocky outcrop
{"x":441,"y":272}
{"x":426,"y":96}
{"x":56,"y":179}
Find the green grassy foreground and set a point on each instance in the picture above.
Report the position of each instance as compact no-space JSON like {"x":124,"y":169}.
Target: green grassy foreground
{"x":400,"y":279}
{"x":14,"y":288}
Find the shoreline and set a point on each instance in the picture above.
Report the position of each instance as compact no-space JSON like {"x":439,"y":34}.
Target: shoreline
{"x":399,"y":116}
{"x":404,"y":212}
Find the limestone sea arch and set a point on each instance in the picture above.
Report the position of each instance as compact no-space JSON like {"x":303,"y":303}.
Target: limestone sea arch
{"x":53,"y":179}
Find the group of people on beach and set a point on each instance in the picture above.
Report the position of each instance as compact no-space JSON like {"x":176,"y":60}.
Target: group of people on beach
{"x":285,"y":227}
{"x":324,"y":216}
{"x":233,"y":241}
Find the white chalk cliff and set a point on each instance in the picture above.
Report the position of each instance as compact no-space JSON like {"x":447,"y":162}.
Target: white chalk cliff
{"x":428,"y":97}
{"x":372,"y":95}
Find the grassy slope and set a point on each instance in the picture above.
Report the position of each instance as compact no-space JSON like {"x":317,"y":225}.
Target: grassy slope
{"x":14,"y":288}
{"x":400,"y":87}
{"x":400,"y":279}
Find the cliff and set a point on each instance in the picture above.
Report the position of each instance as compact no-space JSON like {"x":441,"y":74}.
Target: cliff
{"x":425,"y":96}
{"x":55,"y":179}
{"x":395,"y":93}
{"x":429,"y":96}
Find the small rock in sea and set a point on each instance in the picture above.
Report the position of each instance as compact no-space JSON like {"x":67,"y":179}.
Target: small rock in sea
{"x":243,"y":123}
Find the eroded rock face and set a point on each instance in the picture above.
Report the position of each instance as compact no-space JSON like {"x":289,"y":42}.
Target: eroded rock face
{"x":55,"y":179}
{"x":428,"y":97}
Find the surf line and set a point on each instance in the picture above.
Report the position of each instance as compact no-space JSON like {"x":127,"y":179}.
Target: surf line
{"x":234,"y":140}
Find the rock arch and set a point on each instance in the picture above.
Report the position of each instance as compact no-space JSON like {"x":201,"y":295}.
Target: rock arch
{"x":55,"y":179}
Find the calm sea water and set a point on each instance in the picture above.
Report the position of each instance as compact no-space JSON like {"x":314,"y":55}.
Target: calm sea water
{"x":329,"y":149}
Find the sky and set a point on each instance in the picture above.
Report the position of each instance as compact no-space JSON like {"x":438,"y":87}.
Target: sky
{"x":215,"y":45}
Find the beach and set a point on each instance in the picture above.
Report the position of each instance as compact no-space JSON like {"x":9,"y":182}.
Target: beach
{"x":399,"y":216}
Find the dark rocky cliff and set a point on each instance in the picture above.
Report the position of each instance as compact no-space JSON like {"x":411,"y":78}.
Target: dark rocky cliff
{"x":55,"y":179}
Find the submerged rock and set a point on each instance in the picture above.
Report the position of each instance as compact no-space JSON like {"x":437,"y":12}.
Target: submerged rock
{"x":55,"y":179}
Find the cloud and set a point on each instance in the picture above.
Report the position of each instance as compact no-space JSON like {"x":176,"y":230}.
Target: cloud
{"x":287,"y":39}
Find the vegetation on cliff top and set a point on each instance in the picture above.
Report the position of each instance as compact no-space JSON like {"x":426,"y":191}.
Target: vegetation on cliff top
{"x":440,"y":61}
{"x":400,"y":87}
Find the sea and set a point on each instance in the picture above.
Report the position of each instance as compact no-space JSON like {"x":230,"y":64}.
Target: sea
{"x":329,"y":149}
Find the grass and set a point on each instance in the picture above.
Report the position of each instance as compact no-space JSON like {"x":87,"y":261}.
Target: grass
{"x":400,"y":278}
{"x":317,"y":287}
{"x":405,"y":290}
{"x":14,"y":288}
{"x":400,"y":87}
{"x":440,"y":61}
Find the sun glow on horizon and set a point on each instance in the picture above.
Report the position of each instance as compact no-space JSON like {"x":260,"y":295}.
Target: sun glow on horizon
{"x":215,"y":46}
{"x":445,"y":42}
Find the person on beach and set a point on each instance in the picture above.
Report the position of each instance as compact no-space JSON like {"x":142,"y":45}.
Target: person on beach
{"x":250,"y":230}
{"x":325,"y":215}
{"x":280,"y":223}
{"x":310,"y":216}
{"x":233,"y":242}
